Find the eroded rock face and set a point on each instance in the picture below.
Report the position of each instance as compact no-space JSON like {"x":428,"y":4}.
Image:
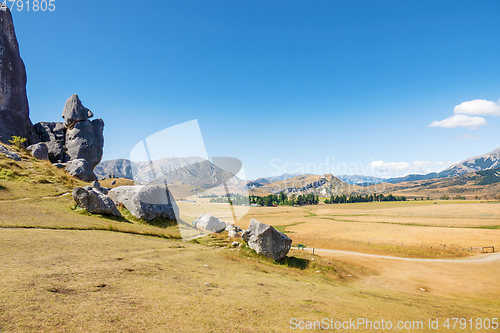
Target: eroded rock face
{"x":146,"y":202}
{"x":53,"y":134}
{"x":266,"y":240}
{"x":85,"y":140}
{"x":210,"y":223}
{"x":14,"y":110}
{"x":94,"y":201}
{"x":74,"y":111}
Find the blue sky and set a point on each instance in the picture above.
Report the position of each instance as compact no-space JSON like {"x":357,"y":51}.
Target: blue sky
{"x":281,"y":85}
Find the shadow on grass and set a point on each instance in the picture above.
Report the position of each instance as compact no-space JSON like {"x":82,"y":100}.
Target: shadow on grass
{"x":294,"y":262}
{"x":3,"y":188}
{"x":85,"y":212}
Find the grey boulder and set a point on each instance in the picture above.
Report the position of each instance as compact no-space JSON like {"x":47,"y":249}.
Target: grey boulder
{"x":74,"y":111}
{"x":146,"y":202}
{"x":266,"y":240}
{"x":210,"y":223}
{"x":94,"y":201}
{"x":10,"y":154}
{"x":50,"y":131}
{"x":80,"y":169}
{"x":85,"y":140}
{"x":39,"y":151}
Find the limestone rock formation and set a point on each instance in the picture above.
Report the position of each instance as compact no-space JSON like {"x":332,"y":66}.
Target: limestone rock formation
{"x":94,"y":201}
{"x":210,"y":223}
{"x":54,"y":136}
{"x":77,"y":138}
{"x":266,"y":240}
{"x":14,"y":109}
{"x":146,"y":202}
{"x":85,"y":140}
{"x":74,"y":111}
{"x":80,"y":169}
{"x":39,"y":151}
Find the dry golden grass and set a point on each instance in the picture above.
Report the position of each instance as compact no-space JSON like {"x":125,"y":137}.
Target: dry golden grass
{"x":415,"y":228}
{"x":81,"y":281}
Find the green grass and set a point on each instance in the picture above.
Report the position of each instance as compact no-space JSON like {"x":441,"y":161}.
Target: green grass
{"x":282,"y":228}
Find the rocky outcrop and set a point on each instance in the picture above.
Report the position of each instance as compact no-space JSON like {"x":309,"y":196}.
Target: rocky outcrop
{"x":80,"y":169}
{"x":76,"y":139}
{"x":10,"y":154}
{"x":210,"y":223}
{"x":14,"y":109}
{"x":93,"y":200}
{"x":74,"y":111}
{"x":85,"y":140}
{"x":266,"y":240}
{"x":53,"y":134}
{"x":39,"y":151}
{"x":146,"y":202}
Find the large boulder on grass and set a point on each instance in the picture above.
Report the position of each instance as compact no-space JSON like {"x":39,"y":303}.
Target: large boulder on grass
{"x":266,"y":240}
{"x":146,"y":202}
{"x":94,"y":201}
{"x":210,"y":223}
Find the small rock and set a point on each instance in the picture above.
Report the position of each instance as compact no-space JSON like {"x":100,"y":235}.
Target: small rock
{"x":59,"y":165}
{"x":113,"y":182}
{"x":235,"y":244}
{"x":39,"y":151}
{"x":10,"y":154}
{"x":210,"y":223}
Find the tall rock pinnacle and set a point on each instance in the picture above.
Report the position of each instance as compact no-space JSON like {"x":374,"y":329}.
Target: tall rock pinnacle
{"x":14,"y":109}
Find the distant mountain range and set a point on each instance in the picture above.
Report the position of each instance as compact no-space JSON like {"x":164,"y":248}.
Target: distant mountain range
{"x":268,"y":180}
{"x":472,"y":184}
{"x":193,"y":171}
{"x":195,"y":174}
{"x":487,"y":161}
{"x":322,"y":185}
{"x":360,"y":180}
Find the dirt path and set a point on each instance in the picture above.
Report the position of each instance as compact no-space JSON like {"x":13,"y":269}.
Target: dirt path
{"x":493,"y":257}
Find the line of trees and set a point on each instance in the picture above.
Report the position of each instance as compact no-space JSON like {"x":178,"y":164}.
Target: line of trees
{"x":283,"y":199}
{"x":233,"y":199}
{"x":362,"y":198}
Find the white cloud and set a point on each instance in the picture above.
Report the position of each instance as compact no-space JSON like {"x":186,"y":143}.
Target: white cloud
{"x":466,"y":137}
{"x":460,"y":120}
{"x":398,"y":169}
{"x":389,"y":166}
{"x":478,"y":107}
